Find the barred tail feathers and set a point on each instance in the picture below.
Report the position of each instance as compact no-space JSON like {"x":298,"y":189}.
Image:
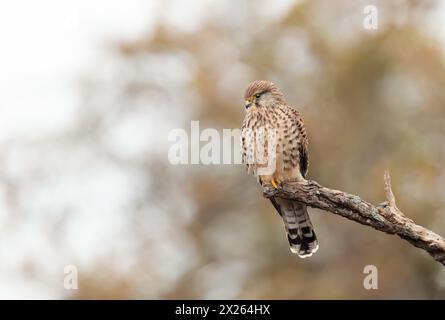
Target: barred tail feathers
{"x":300,"y":233}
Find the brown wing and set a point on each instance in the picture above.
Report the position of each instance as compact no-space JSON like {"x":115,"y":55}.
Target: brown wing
{"x":303,"y":144}
{"x":304,"y":159}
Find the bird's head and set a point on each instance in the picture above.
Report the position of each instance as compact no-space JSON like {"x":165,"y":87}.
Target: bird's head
{"x":263,"y":94}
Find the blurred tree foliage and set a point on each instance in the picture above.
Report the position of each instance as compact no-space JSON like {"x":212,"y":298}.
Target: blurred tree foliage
{"x":370,"y":99}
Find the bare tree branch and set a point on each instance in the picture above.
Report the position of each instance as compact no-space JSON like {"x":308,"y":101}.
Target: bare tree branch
{"x":385,"y":217}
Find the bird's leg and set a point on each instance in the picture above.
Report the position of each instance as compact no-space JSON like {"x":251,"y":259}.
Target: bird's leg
{"x":275,"y":183}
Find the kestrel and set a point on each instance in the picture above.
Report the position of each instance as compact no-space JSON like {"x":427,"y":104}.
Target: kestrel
{"x":275,"y":149}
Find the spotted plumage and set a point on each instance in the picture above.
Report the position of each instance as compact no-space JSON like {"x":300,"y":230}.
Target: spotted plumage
{"x":275,"y":148}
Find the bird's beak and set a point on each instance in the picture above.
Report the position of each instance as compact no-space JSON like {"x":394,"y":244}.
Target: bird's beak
{"x":247,"y":104}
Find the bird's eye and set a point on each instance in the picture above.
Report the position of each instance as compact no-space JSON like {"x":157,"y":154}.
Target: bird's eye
{"x":257,"y":95}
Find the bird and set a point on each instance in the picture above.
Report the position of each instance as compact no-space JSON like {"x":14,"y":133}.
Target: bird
{"x":274,"y":146}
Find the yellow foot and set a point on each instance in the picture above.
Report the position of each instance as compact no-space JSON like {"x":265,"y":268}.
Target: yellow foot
{"x":275,"y":183}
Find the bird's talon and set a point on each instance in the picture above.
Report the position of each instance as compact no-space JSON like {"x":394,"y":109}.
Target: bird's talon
{"x":275,"y":183}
